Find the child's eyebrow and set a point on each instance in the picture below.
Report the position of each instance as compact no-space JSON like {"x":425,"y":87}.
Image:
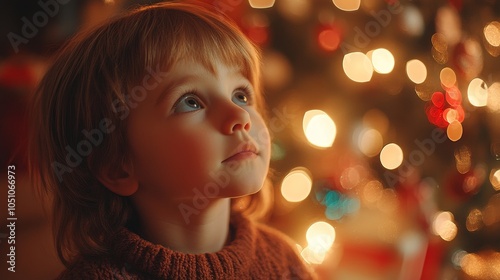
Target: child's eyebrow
{"x":170,"y":85}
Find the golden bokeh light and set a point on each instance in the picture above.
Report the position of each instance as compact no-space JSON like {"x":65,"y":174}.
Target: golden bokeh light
{"x":294,"y":10}
{"x":319,"y":128}
{"x":372,"y":191}
{"x":448,"y":77}
{"x":474,"y":221}
{"x":391,"y":156}
{"x":454,"y":131}
{"x":463,"y":159}
{"x":358,"y":67}
{"x":444,"y":226}
{"x":492,"y":33}
{"x":477,"y":93}
{"x":261,"y":4}
{"x":484,"y":265}
{"x":416,"y":71}
{"x":494,"y":97}
{"x":296,"y":185}
{"x":370,"y":142}
{"x":382,"y":61}
{"x":424,"y":92}
{"x":313,"y":255}
{"x":347,"y":5}
{"x":495,"y":179}
{"x":320,"y":236}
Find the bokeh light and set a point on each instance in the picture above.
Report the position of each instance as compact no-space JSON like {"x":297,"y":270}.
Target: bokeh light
{"x":485,"y":265}
{"x":416,"y":71}
{"x":477,"y":92}
{"x":319,"y":128}
{"x":370,"y":142}
{"x":261,"y":4}
{"x":492,"y":33}
{"x":358,"y":67}
{"x":495,"y":179}
{"x":474,"y":221}
{"x":320,"y":234}
{"x":295,"y":10}
{"x":444,"y":226}
{"x":296,"y":185}
{"x":329,"y":39}
{"x":382,"y":60}
{"x":391,"y":156}
{"x":454,"y":131}
{"x":494,"y":97}
{"x":347,"y":5}
{"x":412,"y":21}
{"x":448,"y":77}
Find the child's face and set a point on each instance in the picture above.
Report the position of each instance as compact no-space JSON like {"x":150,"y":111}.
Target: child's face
{"x":198,"y":132}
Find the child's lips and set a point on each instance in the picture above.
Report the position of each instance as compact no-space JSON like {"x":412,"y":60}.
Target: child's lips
{"x":246,"y":151}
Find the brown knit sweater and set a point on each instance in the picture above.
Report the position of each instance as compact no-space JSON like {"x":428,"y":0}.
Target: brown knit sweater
{"x":256,"y":252}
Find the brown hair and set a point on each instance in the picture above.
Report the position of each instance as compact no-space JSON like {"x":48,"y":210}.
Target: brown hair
{"x":77,"y":128}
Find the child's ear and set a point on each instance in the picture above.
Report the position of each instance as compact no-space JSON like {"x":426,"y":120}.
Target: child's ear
{"x":119,"y":180}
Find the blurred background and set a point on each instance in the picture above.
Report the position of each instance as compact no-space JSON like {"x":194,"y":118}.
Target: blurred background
{"x":386,"y":123}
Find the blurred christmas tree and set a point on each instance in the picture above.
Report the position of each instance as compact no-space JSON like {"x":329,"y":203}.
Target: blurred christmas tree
{"x":385,"y":117}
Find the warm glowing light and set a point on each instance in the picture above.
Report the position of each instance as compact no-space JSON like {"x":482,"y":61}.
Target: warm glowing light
{"x":450,"y":115}
{"x":448,"y":77}
{"x":474,"y":220}
{"x":439,"y":48}
{"x":494,"y":97}
{"x":453,"y":96}
{"x":424,"y":92}
{"x":412,"y":21}
{"x":482,"y":265}
{"x":297,"y":185}
{"x":319,"y":128}
{"x":295,"y":10}
{"x":372,"y":191}
{"x":329,"y":40}
{"x":463,"y":160}
{"x":391,"y":156}
{"x":416,"y":71}
{"x":444,"y":226}
{"x":358,"y":67}
{"x":370,"y":142}
{"x":312,"y":255}
{"x":261,"y":4}
{"x":454,"y":131}
{"x":477,"y":93}
{"x":492,"y":33}
{"x":495,"y":179}
{"x":383,"y":61}
{"x":347,"y":5}
{"x":320,"y":236}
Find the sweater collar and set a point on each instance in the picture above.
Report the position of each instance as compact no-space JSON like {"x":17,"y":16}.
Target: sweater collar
{"x":145,"y":257}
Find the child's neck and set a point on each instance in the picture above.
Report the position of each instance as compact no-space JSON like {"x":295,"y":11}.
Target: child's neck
{"x":204,"y":232}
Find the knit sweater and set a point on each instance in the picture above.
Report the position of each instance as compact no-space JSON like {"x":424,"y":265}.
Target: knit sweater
{"x":256,"y":252}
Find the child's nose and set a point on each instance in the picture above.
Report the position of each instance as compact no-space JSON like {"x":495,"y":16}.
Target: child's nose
{"x":235,"y":118}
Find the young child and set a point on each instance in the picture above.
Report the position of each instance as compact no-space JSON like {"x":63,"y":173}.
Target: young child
{"x":145,"y":128}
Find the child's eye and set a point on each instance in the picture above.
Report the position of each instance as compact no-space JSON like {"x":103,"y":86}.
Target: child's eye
{"x":242,"y":97}
{"x":187,"y":103}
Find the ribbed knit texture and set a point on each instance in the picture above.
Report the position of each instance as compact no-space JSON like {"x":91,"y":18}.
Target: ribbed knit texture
{"x":256,"y":252}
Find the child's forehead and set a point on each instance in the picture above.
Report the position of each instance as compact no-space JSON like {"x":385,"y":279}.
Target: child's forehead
{"x":188,"y":68}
